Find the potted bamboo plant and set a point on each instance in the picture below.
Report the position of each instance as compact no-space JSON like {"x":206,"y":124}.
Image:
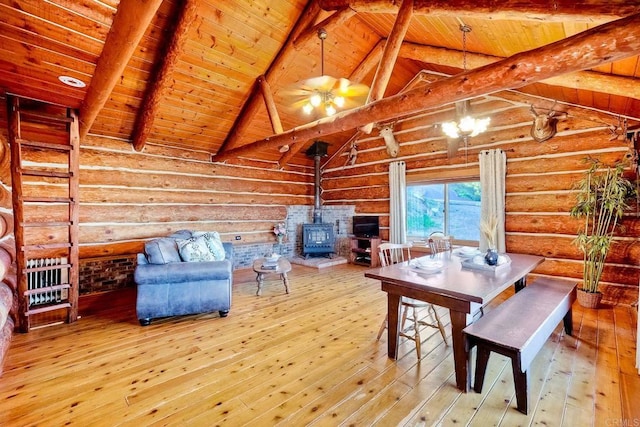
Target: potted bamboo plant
{"x":603,"y":196}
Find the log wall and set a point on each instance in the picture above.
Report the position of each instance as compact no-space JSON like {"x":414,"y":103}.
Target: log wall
{"x":127,"y":197}
{"x":539,"y":181}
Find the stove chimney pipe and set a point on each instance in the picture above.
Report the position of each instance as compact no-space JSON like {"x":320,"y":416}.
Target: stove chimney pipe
{"x":317,"y":151}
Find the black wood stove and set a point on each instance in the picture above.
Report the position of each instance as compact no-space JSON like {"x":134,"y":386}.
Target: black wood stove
{"x":317,"y":238}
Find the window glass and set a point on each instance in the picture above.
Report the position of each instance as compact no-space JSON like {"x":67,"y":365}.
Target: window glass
{"x":453,"y":208}
{"x":425,"y":209}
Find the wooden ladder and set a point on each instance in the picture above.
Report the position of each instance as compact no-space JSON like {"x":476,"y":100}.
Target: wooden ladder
{"x":44,"y":141}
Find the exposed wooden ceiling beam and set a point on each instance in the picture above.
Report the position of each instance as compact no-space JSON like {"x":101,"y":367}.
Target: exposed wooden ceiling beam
{"x":162,"y":74}
{"x":602,"y":44}
{"x":558,"y":10}
{"x":129,"y":25}
{"x":278,"y":66}
{"x":390,"y":52}
{"x":272,"y":110}
{"x":289,"y":154}
{"x":368,"y":64}
{"x":586,"y":80}
{"x":390,"y":55}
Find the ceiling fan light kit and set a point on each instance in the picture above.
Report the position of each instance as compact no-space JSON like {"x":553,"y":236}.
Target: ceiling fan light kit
{"x":329,"y":93}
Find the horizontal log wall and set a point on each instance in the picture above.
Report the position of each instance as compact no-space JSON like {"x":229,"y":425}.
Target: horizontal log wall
{"x":539,"y":182}
{"x":128,"y":197}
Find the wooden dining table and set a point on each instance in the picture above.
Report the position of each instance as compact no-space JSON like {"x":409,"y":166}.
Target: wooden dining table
{"x":462,"y":290}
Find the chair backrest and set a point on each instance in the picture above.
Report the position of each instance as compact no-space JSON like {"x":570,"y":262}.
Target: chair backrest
{"x":393,"y":253}
{"x":439,"y":242}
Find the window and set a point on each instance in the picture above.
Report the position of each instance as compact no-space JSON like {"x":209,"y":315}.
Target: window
{"x":451,"y":207}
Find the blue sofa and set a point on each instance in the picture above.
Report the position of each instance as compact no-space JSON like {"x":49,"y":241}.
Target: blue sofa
{"x":169,"y":286}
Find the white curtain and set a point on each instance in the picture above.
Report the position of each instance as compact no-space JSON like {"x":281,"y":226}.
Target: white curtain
{"x":397,"y":203}
{"x":493,"y":169}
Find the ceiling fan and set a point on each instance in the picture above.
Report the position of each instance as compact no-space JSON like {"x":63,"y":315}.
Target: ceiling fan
{"x":324,"y":95}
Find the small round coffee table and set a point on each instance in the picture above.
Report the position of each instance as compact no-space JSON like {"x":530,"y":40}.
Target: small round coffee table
{"x":282,"y":269}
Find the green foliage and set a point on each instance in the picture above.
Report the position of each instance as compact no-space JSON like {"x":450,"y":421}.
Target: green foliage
{"x":468,"y":190}
{"x":418,"y":220}
{"x":603,"y":196}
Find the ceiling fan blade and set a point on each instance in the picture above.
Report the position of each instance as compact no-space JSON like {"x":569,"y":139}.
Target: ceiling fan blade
{"x":354,"y":90}
{"x":323,"y":83}
{"x":295,"y":92}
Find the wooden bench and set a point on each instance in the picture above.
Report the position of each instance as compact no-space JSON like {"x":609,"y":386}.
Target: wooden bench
{"x":519,"y":327}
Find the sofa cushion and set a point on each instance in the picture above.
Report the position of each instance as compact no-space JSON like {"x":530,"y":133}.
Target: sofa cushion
{"x":162,"y":251}
{"x":181,"y":234}
{"x":212,"y":238}
{"x":194,"y":249}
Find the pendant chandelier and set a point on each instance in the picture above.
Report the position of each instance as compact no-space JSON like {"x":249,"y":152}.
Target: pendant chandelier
{"x":465,"y":125}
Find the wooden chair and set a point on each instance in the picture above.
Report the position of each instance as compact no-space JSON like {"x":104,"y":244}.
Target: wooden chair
{"x":392,"y":253}
{"x":439,"y":242}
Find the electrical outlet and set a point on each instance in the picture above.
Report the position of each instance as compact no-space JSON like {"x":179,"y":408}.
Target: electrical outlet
{"x":238,"y":237}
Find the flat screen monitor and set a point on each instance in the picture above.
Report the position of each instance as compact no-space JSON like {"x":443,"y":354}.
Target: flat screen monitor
{"x":366,"y":226}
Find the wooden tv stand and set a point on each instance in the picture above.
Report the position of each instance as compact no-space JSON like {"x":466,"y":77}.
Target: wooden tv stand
{"x":364,"y":251}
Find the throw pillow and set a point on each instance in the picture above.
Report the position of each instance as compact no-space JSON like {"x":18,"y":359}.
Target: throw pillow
{"x":194,"y":249}
{"x":213,"y":243}
{"x":162,"y":251}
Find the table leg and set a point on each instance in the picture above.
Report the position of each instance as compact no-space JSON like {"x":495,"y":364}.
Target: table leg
{"x":460,"y":353}
{"x":260,"y":280}
{"x":285,"y":280}
{"x":393,"y":324}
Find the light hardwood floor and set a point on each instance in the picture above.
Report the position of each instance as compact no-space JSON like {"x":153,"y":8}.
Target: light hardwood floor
{"x":308,"y":358}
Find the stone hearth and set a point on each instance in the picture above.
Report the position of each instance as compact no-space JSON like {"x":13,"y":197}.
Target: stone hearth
{"x":318,"y":262}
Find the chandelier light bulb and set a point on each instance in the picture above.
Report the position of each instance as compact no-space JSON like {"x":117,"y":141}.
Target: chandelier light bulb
{"x":307,"y":108}
{"x":315,"y":99}
{"x":480,"y":125}
{"x":330,"y":109}
{"x":339,"y":101}
{"x":451,"y":129}
{"x":467,"y":125}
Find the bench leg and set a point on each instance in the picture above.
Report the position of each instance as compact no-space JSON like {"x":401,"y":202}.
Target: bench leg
{"x":568,"y":322}
{"x":482,"y":359}
{"x":521,"y":380}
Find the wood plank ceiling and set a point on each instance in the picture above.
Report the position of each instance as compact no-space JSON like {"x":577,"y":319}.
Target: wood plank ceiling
{"x":220,"y":57}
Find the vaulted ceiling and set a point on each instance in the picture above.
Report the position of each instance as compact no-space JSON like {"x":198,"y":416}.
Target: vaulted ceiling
{"x":216,"y":76}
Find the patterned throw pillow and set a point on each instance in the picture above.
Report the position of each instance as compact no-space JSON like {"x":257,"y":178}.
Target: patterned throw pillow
{"x":194,"y":249}
{"x":214,"y":244}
